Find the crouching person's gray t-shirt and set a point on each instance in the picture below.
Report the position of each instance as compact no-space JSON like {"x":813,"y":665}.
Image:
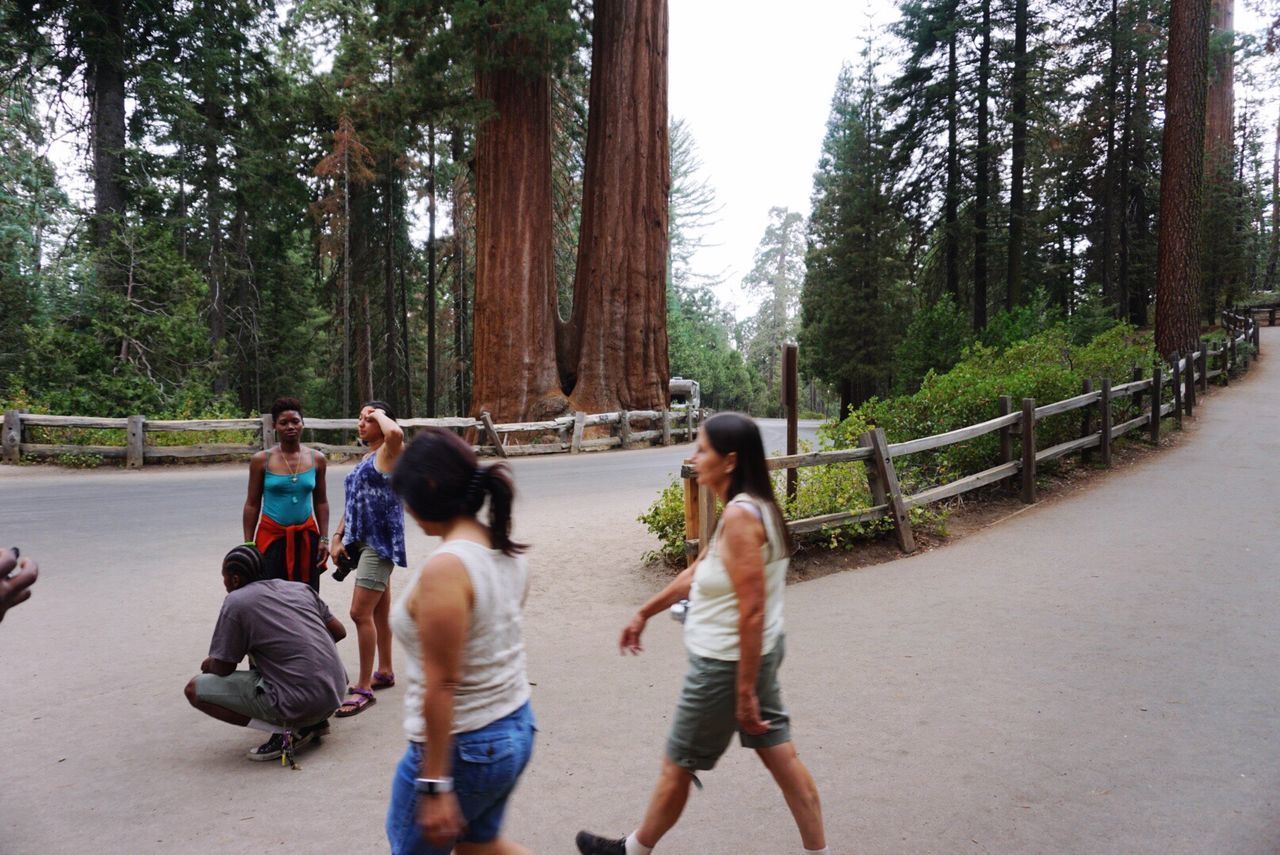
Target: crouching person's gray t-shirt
{"x":282,"y":624}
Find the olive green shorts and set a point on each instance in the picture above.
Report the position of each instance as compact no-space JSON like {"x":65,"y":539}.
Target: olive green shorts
{"x":244,"y":692}
{"x":372,"y":570}
{"x":706,"y":714}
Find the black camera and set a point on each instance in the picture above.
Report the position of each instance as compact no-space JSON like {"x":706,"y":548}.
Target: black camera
{"x":347,"y":562}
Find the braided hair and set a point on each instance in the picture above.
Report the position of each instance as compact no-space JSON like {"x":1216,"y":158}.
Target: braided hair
{"x":244,"y":561}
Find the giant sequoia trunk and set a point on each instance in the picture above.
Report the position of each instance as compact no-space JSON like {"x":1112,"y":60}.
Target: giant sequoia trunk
{"x":616,"y":342}
{"x":1182,"y":178}
{"x":1219,"y":125}
{"x":515,"y":306}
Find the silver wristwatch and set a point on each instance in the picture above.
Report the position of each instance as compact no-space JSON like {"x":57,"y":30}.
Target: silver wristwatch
{"x":432,"y":786}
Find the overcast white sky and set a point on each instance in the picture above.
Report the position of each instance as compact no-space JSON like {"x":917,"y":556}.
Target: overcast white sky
{"x":753,"y":81}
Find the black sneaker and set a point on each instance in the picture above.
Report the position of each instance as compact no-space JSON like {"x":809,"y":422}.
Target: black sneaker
{"x":274,"y":747}
{"x":590,"y":844}
{"x":269,"y":750}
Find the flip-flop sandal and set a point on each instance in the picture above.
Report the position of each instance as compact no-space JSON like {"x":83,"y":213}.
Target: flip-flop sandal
{"x":383,"y":680}
{"x":357,"y":701}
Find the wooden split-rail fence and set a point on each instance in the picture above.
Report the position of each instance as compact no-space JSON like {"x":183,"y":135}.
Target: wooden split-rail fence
{"x":571,"y":434}
{"x":1187,"y":377}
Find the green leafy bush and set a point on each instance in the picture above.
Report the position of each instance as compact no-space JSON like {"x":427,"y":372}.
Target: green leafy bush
{"x":1050,"y":366}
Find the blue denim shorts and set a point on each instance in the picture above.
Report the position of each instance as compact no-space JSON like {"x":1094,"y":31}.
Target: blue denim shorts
{"x":486,"y":765}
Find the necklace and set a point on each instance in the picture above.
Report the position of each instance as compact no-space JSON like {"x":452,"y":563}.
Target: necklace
{"x":293,"y":471}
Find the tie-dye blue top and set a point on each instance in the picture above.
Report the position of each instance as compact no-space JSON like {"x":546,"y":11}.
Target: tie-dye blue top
{"x":374,"y":515}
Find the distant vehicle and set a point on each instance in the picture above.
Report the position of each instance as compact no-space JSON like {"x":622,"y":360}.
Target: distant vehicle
{"x":684,"y":393}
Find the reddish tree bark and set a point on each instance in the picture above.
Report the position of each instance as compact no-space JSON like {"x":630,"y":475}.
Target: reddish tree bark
{"x":1182,"y":178}
{"x":1219,"y":119}
{"x":515,"y":307}
{"x":616,"y":341}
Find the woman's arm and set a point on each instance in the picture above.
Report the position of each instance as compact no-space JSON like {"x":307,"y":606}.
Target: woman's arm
{"x":320,"y":505}
{"x":253,"y":502}
{"x":442,"y":612}
{"x":392,"y":441}
{"x":740,"y":541}
{"x":336,"y":548}
{"x":677,"y":589}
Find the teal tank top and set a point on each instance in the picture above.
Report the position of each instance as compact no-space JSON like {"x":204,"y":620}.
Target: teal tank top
{"x":288,"y":501}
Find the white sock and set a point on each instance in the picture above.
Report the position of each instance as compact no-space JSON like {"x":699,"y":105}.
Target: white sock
{"x":265,"y":726}
{"x":635,"y":847}
{"x":823,"y":851}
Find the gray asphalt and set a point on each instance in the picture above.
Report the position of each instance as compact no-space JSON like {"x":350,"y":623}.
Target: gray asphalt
{"x":1100,"y":673}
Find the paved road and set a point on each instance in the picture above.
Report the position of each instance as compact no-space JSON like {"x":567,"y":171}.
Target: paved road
{"x":1100,"y":673}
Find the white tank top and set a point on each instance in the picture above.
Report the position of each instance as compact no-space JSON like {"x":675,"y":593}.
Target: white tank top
{"x":494,"y":683}
{"x":711,"y":624}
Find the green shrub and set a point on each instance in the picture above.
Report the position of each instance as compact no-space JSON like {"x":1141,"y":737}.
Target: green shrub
{"x":1048,"y":367}
{"x":665,"y":518}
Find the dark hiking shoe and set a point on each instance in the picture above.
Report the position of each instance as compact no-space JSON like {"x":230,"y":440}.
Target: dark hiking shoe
{"x":590,"y":844}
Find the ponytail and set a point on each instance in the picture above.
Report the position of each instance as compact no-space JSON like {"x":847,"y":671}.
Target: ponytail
{"x":439,"y":477}
{"x":502,"y":494}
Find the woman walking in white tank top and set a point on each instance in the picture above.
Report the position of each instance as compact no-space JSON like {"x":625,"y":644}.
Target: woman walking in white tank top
{"x":733,"y":633}
{"x":467,"y":714}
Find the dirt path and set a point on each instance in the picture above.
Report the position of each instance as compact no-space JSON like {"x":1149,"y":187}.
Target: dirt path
{"x":1098,"y":674}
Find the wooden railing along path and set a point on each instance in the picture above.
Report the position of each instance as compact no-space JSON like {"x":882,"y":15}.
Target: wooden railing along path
{"x":1187,"y":377}
{"x":570,"y":434}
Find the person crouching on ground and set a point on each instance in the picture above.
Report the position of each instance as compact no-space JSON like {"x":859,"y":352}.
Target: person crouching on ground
{"x":467,"y":712}
{"x":296,"y":680}
{"x":733,"y":633}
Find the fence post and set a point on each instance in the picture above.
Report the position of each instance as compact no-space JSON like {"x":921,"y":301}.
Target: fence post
{"x":624,"y":428}
{"x":666,"y":426}
{"x":579,"y":424}
{"x":1086,"y":419}
{"x":1136,"y":397}
{"x":1257,"y":340}
{"x":790,"y":405}
{"x":889,"y":478}
{"x":690,"y":512}
{"x":1177,"y":390}
{"x":875,"y":484}
{"x":268,"y":431}
{"x":691,"y":434}
{"x":493,"y":434}
{"x":1028,"y":451}
{"x":1104,"y":416}
{"x":1204,"y":366}
{"x":1232,"y":355}
{"x":706,"y":515}
{"x":135,"y":443}
{"x":11,"y":441}
{"x":1006,"y":432}
{"x":1156,"y":405}
{"x":1189,"y":382}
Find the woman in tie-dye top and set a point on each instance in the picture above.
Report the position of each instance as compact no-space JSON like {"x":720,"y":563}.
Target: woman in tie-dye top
{"x":372,"y":527}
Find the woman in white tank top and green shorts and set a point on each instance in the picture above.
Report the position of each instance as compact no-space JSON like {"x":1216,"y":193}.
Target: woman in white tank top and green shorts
{"x":733,"y":633}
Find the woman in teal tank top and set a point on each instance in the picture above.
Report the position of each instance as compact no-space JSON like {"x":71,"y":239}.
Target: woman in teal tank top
{"x":286,"y":513}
